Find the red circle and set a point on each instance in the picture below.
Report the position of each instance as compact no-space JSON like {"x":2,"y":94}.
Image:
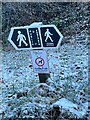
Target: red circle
{"x":39,"y":61}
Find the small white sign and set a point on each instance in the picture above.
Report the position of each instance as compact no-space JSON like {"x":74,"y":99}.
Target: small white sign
{"x":39,"y":61}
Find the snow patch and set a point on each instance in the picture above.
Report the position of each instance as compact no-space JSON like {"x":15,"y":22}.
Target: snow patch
{"x":68,"y":105}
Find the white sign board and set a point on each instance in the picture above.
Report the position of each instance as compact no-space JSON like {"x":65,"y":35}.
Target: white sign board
{"x":39,"y":61}
{"x":35,"y":36}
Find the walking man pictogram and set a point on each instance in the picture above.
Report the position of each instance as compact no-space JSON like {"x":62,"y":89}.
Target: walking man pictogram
{"x":47,"y":34}
{"x":21,"y":38}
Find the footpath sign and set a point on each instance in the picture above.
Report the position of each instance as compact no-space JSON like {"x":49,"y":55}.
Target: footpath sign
{"x":25,"y":38}
{"x":39,"y":61}
{"x":50,"y":36}
{"x":35,"y":37}
{"x":18,"y":37}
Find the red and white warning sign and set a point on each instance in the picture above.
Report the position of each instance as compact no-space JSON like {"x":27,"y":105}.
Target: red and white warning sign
{"x":39,"y":61}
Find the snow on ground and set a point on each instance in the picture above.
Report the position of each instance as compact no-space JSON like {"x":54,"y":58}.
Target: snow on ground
{"x":71,"y":107}
{"x":23,"y":95}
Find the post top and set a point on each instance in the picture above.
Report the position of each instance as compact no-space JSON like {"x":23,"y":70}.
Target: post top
{"x":36,"y":24}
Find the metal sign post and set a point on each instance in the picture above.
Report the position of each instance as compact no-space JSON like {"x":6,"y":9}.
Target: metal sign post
{"x":35,"y":37}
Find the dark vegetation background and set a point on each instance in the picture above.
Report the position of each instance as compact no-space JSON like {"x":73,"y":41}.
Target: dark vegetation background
{"x":72,"y":18}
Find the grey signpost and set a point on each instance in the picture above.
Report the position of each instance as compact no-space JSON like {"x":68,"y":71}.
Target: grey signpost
{"x":36,"y":37}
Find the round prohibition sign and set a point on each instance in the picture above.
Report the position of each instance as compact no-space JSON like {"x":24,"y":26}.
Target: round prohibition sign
{"x":39,"y":61}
